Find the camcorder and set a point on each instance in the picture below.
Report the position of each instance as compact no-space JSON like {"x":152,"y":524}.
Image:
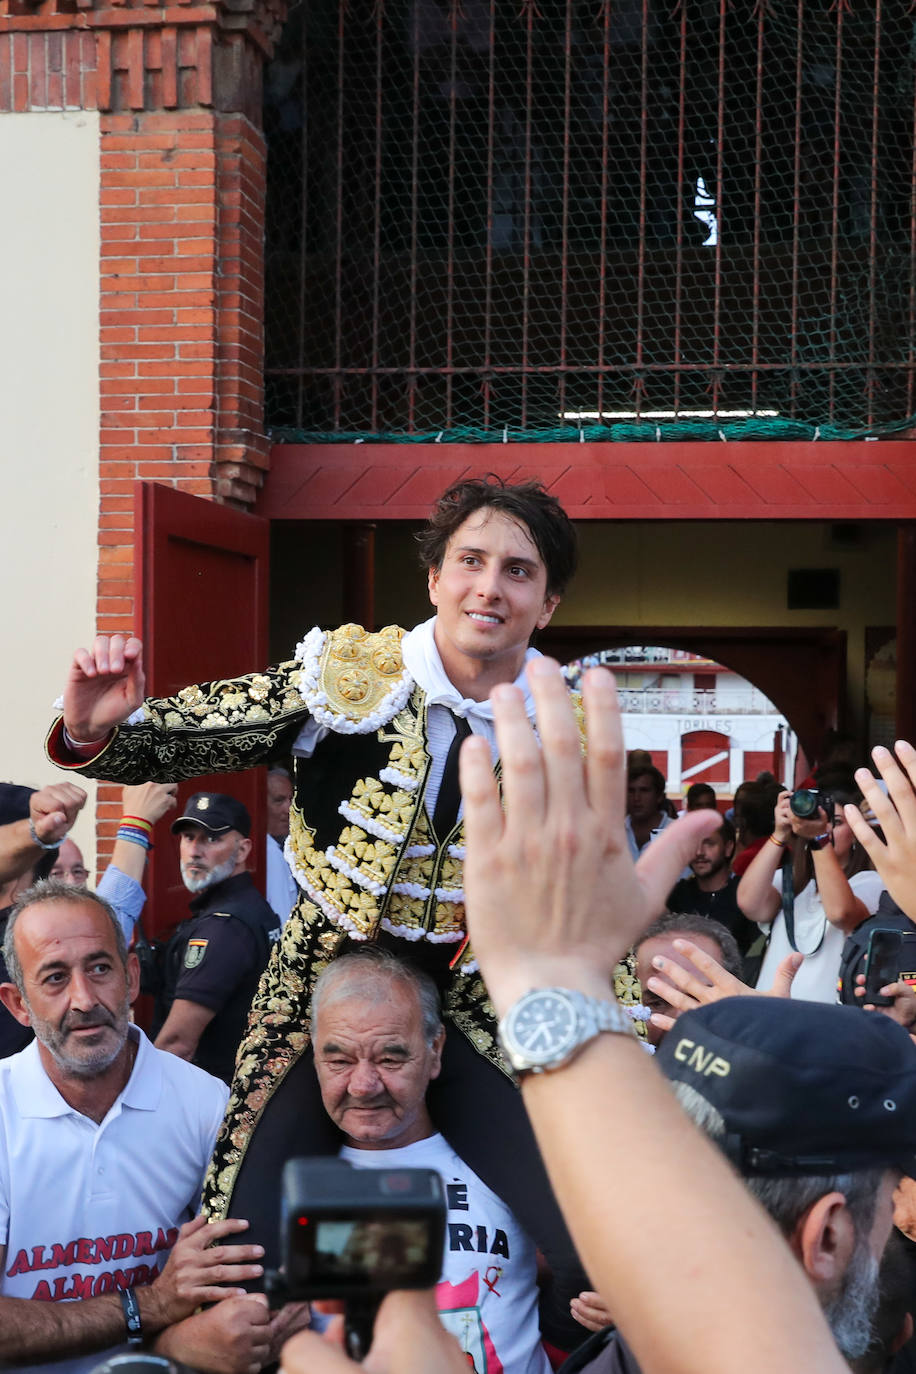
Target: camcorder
{"x":357,"y":1234}
{"x":807,"y":801}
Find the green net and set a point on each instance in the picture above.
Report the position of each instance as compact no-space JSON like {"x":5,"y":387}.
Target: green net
{"x":524,"y":220}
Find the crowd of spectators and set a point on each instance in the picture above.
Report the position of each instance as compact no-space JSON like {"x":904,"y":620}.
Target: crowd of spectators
{"x":724,"y":1176}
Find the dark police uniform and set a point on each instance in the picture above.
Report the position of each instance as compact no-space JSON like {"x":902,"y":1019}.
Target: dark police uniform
{"x":216,"y":959}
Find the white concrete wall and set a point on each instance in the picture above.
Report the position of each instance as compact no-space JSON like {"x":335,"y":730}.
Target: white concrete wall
{"x":49,"y":423}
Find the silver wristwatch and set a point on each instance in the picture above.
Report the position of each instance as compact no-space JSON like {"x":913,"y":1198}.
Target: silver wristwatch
{"x":547,"y":1027}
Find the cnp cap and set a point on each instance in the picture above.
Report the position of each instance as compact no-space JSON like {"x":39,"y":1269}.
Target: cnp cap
{"x":216,"y":812}
{"x":802,"y":1087}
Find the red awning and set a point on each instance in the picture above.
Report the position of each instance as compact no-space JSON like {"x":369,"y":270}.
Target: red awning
{"x":830,"y":480}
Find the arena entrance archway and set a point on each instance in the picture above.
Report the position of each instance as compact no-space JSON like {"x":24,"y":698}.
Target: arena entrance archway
{"x":802,"y":672}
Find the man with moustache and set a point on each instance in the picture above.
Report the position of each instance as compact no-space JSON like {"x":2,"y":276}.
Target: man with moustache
{"x":103,"y":1146}
{"x":215,"y":959}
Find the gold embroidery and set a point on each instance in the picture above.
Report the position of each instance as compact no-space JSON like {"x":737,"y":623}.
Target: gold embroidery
{"x":209,"y":727}
{"x":359,"y":669}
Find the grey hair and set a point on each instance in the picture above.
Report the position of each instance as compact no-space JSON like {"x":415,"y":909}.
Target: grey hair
{"x":690,"y":923}
{"x":787,"y":1199}
{"x":358,"y":974}
{"x":40,"y":894}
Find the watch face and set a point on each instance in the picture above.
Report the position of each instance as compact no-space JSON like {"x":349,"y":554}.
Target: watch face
{"x":543,"y":1026}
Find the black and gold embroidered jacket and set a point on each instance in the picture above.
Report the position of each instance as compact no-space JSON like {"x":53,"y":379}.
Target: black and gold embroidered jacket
{"x":361,"y":845}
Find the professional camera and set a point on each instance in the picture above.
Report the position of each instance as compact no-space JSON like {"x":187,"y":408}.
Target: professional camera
{"x":357,"y":1234}
{"x":807,"y":801}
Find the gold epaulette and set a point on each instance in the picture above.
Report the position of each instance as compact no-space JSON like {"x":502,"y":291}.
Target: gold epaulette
{"x":352,"y":680}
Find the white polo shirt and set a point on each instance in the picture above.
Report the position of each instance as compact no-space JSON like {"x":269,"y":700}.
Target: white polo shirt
{"x":86,"y":1208}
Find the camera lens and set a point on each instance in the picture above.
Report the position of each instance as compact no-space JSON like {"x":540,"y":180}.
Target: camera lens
{"x":804,"y":803}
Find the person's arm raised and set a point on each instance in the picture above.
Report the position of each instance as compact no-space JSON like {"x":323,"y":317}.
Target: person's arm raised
{"x":756,"y":895}
{"x":207,"y":727}
{"x":149,"y":801}
{"x":894,"y":856}
{"x":553,"y":898}
{"x":104,"y":685}
{"x":52,"y":811}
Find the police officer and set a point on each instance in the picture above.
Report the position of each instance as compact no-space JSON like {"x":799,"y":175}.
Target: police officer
{"x":214,"y":960}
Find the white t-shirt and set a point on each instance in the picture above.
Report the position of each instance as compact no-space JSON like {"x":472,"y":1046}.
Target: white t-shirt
{"x":816,"y":980}
{"x":487,"y":1295}
{"x":86,"y":1208}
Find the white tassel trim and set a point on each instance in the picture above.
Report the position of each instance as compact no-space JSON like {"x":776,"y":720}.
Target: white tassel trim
{"x":370,"y":824}
{"x":419,"y":851}
{"x":471,"y":966}
{"x":405,"y":932}
{"x":450,"y":894}
{"x":398,"y":779}
{"x":361,"y":879}
{"x":411,"y":890}
{"x":457,"y":851}
{"x":308,"y":653}
{"x":319,"y":899}
{"x":451,"y":937}
{"x":638,"y":1012}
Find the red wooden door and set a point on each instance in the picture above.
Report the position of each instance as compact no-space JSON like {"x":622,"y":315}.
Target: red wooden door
{"x":202,"y":588}
{"x":704,"y":757}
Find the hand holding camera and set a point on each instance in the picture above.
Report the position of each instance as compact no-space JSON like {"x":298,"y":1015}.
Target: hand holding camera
{"x":809,"y":812}
{"x":357,"y":1234}
{"x":409,"y":1339}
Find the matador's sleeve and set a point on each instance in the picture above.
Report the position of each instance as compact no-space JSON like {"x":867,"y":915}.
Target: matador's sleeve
{"x":214,"y":727}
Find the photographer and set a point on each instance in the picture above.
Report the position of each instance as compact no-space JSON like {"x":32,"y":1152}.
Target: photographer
{"x":835,"y":890}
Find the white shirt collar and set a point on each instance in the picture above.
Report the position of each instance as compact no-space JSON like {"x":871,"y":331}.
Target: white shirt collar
{"x":422,"y":661}
{"x":36,"y":1095}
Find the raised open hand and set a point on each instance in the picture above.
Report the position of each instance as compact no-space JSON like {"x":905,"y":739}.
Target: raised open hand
{"x":894,"y":857}
{"x":685,"y":990}
{"x":104,"y":685}
{"x":553,"y":895}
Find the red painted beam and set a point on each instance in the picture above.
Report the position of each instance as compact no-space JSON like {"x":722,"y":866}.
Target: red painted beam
{"x":830,"y":480}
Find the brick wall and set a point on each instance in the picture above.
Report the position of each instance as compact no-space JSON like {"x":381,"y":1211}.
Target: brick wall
{"x":183,"y":167}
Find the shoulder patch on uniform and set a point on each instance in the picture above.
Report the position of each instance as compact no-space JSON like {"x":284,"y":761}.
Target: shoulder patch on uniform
{"x":195,"y":952}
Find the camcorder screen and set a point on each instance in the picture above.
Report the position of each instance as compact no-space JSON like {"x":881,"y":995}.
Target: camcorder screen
{"x":388,"y":1252}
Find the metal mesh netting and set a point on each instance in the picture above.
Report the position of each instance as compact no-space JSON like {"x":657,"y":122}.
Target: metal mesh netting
{"x":538,"y":219}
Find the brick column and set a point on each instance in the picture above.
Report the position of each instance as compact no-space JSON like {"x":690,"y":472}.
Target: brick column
{"x":181,"y":220}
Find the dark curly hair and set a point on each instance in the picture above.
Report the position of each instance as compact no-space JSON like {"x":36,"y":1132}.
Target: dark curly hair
{"x":541,"y":514}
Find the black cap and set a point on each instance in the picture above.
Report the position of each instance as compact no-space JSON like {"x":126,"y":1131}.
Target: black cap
{"x":803,"y":1087}
{"x":14,"y":802}
{"x":214,"y":811}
